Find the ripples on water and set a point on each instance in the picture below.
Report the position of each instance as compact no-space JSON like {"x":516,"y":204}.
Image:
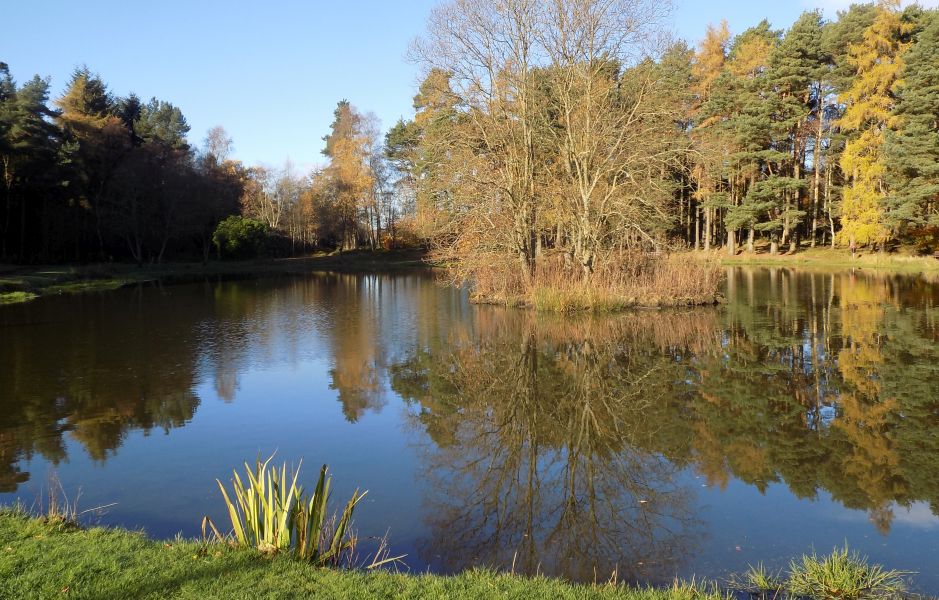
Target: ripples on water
{"x":803,"y":414}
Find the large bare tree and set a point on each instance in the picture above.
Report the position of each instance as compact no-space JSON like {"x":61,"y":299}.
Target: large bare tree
{"x":562,"y":129}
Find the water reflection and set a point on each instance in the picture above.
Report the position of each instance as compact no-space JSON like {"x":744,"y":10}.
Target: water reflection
{"x":60,"y":374}
{"x":565,"y":446}
{"x":858,"y":348}
{"x":538,"y":434}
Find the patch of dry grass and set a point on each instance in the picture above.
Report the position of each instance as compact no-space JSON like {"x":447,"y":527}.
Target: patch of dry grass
{"x":626,"y":280}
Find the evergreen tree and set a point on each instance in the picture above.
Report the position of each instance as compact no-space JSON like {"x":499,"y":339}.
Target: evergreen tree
{"x":912,"y":150}
{"x":99,"y":140}
{"x":798,"y":70}
{"x":345,"y":121}
{"x":161,"y":122}
{"x":29,"y":159}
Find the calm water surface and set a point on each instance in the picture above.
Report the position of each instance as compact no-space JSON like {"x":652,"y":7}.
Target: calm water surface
{"x":802,"y":415}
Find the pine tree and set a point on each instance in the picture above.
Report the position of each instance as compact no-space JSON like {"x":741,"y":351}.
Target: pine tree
{"x":869,"y":101}
{"x":7,"y":112}
{"x":912,"y":150}
{"x":754,"y":158}
{"x":161,"y":122}
{"x":799,"y":67}
{"x":28,"y":156}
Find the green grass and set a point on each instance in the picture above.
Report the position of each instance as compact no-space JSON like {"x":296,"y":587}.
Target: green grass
{"x":53,"y":558}
{"x":93,"y":285}
{"x":828,"y":258}
{"x":843,"y":575}
{"x":43,"y":559}
{"x":16,"y":297}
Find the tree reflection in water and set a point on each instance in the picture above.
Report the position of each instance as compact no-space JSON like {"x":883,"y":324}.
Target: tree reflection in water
{"x":551,"y":443}
{"x":539,"y":431}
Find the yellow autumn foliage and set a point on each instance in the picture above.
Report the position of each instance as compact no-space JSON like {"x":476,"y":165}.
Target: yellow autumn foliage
{"x":869,"y":102}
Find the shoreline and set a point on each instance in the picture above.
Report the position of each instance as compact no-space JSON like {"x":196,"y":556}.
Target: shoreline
{"x":47,"y":558}
{"x":828,"y":259}
{"x":50,"y":557}
{"x":20,"y":284}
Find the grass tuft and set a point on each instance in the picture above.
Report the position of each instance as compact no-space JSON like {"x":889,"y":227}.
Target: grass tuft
{"x":760,"y":583}
{"x":843,"y":575}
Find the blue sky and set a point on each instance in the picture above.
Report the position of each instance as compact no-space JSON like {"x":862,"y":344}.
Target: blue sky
{"x":269,"y":72}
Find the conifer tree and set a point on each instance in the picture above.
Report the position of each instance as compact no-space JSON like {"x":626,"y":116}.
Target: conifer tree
{"x":28,"y":157}
{"x":912,"y":150}
{"x":798,"y":71}
{"x":98,"y":138}
{"x":748,"y":103}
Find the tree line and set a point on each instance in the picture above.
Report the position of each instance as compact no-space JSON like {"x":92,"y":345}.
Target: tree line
{"x":569,"y":131}
{"x":90,"y":176}
{"x":578,"y":129}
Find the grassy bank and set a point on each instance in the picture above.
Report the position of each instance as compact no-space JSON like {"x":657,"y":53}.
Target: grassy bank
{"x":42,"y":559}
{"x":828,"y":258}
{"x":50,"y":558}
{"x":22,"y":284}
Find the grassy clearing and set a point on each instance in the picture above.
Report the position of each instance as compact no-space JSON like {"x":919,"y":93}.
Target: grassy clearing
{"x":653,"y":282}
{"x":48,"y":559}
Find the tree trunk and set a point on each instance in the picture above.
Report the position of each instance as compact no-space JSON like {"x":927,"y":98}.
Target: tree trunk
{"x":831,"y":218}
{"x":817,"y":166}
{"x":707,"y":230}
{"x":23,"y":230}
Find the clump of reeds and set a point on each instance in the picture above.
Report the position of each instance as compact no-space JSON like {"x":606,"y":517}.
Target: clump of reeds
{"x":622,"y":281}
{"x":54,"y":505}
{"x":269,"y":511}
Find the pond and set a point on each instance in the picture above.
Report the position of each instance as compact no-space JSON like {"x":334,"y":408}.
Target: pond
{"x":801,"y":415}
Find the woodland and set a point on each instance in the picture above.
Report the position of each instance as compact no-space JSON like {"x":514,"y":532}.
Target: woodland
{"x":551,"y":143}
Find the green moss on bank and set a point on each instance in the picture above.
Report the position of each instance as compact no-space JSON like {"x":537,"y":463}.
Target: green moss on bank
{"x":43,"y":560}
